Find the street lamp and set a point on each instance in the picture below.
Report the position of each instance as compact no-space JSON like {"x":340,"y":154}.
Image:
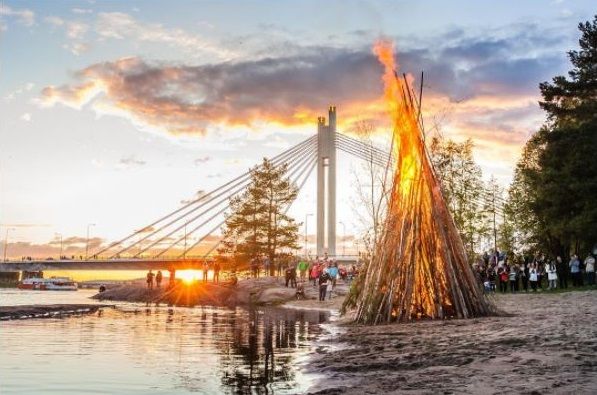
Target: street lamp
{"x":59,"y":234}
{"x":87,"y":243}
{"x":306,"y":219}
{"x":6,"y":241}
{"x":343,"y":238}
{"x":184,"y":253}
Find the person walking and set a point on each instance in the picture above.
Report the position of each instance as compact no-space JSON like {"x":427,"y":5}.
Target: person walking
{"x":150,"y":277}
{"x":552,"y":275}
{"x":533,"y":277}
{"x":158,"y":279}
{"x":590,"y":270}
{"x":562,"y":272}
{"x":574,"y":265}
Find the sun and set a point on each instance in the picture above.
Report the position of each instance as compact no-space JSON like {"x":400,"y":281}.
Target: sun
{"x":189,"y":275}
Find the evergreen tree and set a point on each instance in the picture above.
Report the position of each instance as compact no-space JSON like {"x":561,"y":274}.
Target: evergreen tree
{"x":258,"y":224}
{"x":553,"y":195}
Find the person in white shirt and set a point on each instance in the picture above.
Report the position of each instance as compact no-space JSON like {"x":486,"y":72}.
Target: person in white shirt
{"x":590,"y":270}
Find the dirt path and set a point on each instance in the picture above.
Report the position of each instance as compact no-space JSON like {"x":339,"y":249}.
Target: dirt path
{"x":548,"y":345}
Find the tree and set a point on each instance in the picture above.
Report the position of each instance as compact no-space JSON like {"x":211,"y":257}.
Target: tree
{"x":257,"y":223}
{"x":553,"y":192}
{"x":462,"y":187}
{"x":372,"y":189}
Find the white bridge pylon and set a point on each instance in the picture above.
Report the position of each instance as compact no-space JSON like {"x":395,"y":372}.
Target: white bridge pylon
{"x":326,"y":184}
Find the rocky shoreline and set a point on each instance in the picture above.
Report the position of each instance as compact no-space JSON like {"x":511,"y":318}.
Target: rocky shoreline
{"x":265,"y":291}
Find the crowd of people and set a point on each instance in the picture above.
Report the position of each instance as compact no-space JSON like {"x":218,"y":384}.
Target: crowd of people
{"x":321,"y":272}
{"x":496,"y":271}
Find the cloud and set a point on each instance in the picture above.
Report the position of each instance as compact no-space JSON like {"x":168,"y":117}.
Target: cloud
{"x":130,"y":161}
{"x":74,"y":31}
{"x":76,"y":48}
{"x":25,"y":17}
{"x":486,"y":83}
{"x":81,"y":11}
{"x":19,"y":91}
{"x":121,"y":26}
{"x":202,"y":160}
{"x":200,"y":194}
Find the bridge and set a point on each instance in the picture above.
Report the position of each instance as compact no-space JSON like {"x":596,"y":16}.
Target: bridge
{"x":161,"y":245}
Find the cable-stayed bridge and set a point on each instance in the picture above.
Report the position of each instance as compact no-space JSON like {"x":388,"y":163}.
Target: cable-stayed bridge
{"x":178,"y":240}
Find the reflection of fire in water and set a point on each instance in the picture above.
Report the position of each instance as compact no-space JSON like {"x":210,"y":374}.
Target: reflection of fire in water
{"x":419,"y":268}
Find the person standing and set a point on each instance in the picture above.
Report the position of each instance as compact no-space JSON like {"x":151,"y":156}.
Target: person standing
{"x":574,"y":265}
{"x":324,"y":280}
{"x":255,"y":267}
{"x":552,"y":275}
{"x":205,"y":270}
{"x":590,"y":270}
{"x":150,"y":277}
{"x":217,"y":268}
{"x":292,"y":275}
{"x":158,"y":279}
{"x":303,"y":266}
{"x":172,"y":278}
{"x":524,"y":276}
{"x":512,"y":279}
{"x":562,"y":272}
{"x":533,"y":277}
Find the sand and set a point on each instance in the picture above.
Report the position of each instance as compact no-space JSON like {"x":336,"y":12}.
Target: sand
{"x":547,"y":345}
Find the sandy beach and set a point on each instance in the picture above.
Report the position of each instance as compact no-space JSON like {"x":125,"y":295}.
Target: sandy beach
{"x":546,"y":344}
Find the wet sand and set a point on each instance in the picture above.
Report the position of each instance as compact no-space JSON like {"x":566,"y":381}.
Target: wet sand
{"x":548,"y":344}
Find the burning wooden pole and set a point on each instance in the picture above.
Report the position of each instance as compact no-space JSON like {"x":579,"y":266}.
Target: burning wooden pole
{"x":419,"y":268}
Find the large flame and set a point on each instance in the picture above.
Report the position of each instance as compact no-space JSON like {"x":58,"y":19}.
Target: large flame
{"x":419,"y":268}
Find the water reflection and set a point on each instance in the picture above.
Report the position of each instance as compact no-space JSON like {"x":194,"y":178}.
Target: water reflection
{"x":259,"y":351}
{"x":160,"y":350}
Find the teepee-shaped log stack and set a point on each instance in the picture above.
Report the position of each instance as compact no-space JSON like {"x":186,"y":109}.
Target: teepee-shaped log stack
{"x":419,"y":267}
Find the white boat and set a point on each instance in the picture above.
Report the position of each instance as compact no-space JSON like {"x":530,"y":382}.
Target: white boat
{"x":48,"y":284}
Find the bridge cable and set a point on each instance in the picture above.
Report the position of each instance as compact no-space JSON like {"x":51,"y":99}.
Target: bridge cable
{"x":296,"y":162}
{"x":209,"y":197}
{"x":279,"y":156}
{"x":313,"y":161}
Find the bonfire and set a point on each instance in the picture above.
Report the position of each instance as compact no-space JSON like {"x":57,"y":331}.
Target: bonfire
{"x":418,"y":269}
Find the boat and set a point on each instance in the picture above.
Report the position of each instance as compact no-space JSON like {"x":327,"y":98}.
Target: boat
{"x":48,"y":284}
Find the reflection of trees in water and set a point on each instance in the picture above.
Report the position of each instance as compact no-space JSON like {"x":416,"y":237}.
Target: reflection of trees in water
{"x":217,"y":350}
{"x":260,"y":348}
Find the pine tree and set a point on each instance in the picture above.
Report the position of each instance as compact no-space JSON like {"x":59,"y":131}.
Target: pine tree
{"x":258,"y":223}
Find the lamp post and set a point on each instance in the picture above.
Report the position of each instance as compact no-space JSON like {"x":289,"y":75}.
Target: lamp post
{"x":343,"y":238}
{"x":59,"y":234}
{"x":184,"y":253}
{"x":6,"y":241}
{"x":306,"y":219}
{"x":87,"y":243}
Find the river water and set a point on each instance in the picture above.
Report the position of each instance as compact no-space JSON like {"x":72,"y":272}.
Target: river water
{"x":138,"y":350}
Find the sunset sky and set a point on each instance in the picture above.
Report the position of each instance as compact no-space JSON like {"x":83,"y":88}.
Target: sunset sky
{"x":115,"y":112}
